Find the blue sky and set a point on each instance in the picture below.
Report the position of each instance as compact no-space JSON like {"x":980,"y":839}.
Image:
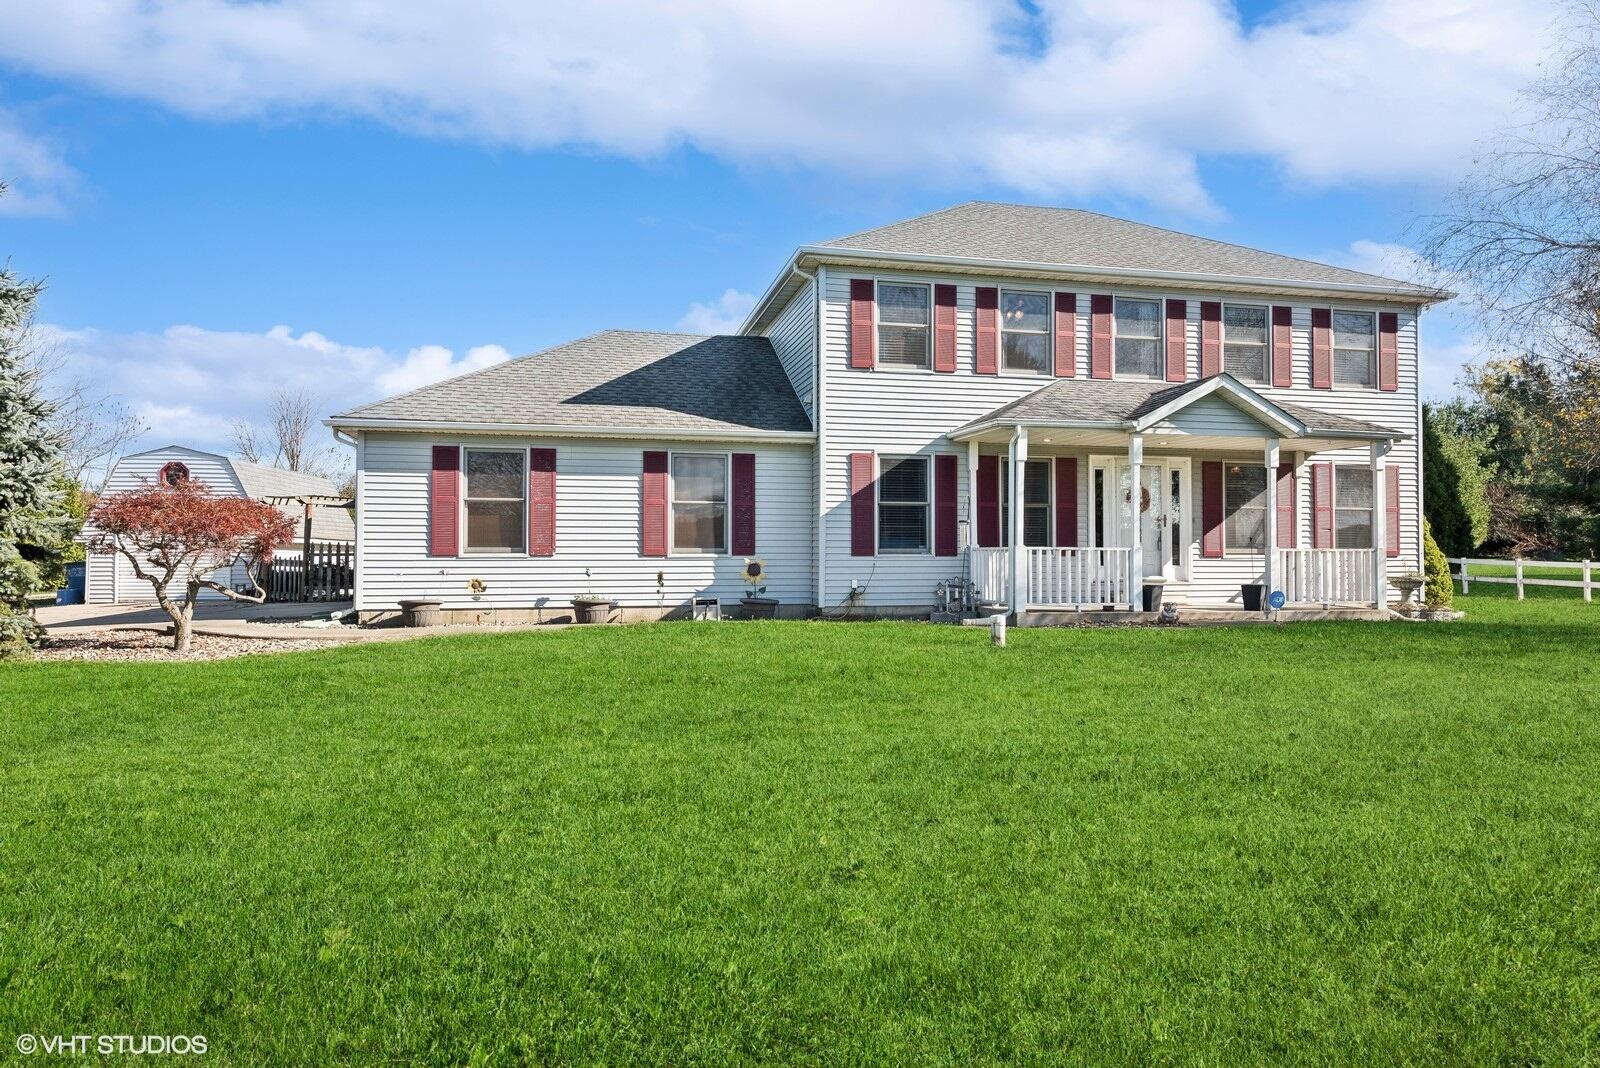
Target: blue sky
{"x":223,"y":199}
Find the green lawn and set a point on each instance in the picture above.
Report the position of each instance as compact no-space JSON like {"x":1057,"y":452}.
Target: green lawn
{"x":828,"y":843}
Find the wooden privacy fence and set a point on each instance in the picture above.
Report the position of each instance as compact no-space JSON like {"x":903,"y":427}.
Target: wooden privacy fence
{"x":1461,"y":566}
{"x":327,"y":573}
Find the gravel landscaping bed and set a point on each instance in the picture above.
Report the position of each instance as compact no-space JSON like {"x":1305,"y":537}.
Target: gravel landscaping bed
{"x":149,"y":645}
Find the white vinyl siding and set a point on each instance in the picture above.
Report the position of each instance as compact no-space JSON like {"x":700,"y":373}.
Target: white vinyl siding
{"x":597,"y":528}
{"x":794,"y":338}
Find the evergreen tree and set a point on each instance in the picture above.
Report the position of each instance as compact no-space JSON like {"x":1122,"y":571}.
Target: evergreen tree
{"x":34,"y":523}
{"x":1441,"y":494}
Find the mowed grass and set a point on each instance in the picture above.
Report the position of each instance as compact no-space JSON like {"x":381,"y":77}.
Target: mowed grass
{"x":824,"y":843}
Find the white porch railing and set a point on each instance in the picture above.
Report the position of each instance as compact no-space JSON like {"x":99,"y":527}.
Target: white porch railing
{"x":1057,"y":578}
{"x":1325,"y":576}
{"x":1074,"y":578}
{"x":991,"y":574}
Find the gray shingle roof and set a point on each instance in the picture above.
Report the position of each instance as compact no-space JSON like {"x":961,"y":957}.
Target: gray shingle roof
{"x":1092,"y":400}
{"x":618,"y":378}
{"x":328,"y":522}
{"x":1071,"y":237}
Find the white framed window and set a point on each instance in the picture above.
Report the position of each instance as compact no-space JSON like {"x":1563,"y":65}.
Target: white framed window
{"x":903,"y":334}
{"x":1352,"y":506}
{"x":1025,"y":331}
{"x":1244,"y":342}
{"x":1036,"y":501}
{"x":1355,"y":348}
{"x":495,"y":500}
{"x":699,"y":502}
{"x":1244,"y":524}
{"x":904,"y":508}
{"x":1136,"y":349}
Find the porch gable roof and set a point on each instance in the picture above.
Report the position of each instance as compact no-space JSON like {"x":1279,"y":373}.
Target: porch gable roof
{"x":1135,"y":407}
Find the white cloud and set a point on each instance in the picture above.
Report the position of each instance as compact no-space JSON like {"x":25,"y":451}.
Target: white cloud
{"x":722,"y":316}
{"x":189,"y":385}
{"x":36,"y":176}
{"x":1085,"y":97}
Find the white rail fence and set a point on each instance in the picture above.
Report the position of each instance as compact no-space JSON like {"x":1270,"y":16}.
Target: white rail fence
{"x":1325,"y":576}
{"x":1461,"y":567}
{"x":1075,"y":578}
{"x":990,"y":574}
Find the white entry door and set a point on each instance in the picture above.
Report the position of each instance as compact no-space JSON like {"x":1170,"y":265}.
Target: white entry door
{"x":1159,"y":508}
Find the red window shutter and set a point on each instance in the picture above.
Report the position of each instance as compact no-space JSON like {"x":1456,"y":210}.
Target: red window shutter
{"x":1388,"y":351}
{"x":1066,"y":334}
{"x":863,"y":334}
{"x":1286,"y":530}
{"x":742,"y":538}
{"x":1100,"y":335}
{"x":1321,"y":349}
{"x":1322,"y":506}
{"x":444,"y":502}
{"x":541,"y":502}
{"x":986,"y":357}
{"x":944,"y":505}
{"x":944,"y":328}
{"x":1066,"y":500}
{"x":1210,"y":338}
{"x":988,"y":502}
{"x":653,"y":505}
{"x":863,"y":505}
{"x":1211,"y":508}
{"x":1177,"y":340}
{"x":1391,"y":510}
{"x":1282,"y":346}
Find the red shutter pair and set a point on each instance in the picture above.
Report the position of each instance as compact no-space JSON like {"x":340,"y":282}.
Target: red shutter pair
{"x":864,"y":504}
{"x":444,"y":502}
{"x":1213,"y":508}
{"x":1322,"y":531}
{"x":864,"y":334}
{"x":654,"y":504}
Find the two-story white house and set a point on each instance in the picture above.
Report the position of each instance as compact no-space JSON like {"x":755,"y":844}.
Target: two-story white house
{"x":1051,"y":403}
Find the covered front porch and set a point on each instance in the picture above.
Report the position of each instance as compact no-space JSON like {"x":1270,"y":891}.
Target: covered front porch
{"x":1222,"y":475}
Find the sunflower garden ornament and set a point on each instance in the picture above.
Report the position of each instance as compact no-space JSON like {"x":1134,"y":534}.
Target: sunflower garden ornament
{"x":755,"y":579}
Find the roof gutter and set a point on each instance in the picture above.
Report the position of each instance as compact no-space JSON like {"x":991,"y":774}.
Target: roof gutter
{"x":420,"y":426}
{"x":791,"y":269}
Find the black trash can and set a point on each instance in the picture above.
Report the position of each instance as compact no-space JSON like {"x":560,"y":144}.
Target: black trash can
{"x":1152,"y":593}
{"x":1253,"y":593}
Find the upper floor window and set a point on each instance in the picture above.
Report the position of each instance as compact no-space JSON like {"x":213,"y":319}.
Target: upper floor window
{"x":1244,"y":342}
{"x":903,"y":504}
{"x":1352,"y":507}
{"x":1025,"y":330}
{"x":1138,"y":338}
{"x":1035,"y":504}
{"x":494,"y":500}
{"x":903,"y":324}
{"x":1244,"y":523}
{"x":1355,"y":348}
{"x":699,"y":503}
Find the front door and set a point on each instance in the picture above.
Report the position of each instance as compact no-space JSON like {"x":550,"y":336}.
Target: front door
{"x":1159,"y":510}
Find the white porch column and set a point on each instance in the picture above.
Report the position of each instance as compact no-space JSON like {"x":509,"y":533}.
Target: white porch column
{"x":1135,"y":548}
{"x":1019,"y":557}
{"x":972,"y":510}
{"x":1380,"y":537}
{"x":1269,"y":573}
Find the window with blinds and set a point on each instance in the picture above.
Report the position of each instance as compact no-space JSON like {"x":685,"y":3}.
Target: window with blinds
{"x":903,"y":325}
{"x":1355,"y":348}
{"x":1138,"y":339}
{"x":1244,"y":342}
{"x":1245,"y":508}
{"x":1352,"y":507}
{"x":903,"y":504}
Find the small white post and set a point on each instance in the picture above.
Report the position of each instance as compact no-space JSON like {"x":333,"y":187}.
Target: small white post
{"x":997,"y":630}
{"x":1136,"y":547}
{"x":1019,"y":554}
{"x":1588,"y":583}
{"x":1519,"y":578}
{"x":1465,"y":584}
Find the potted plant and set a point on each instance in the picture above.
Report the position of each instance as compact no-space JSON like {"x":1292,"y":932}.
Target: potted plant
{"x":591,"y":607}
{"x":754,"y":604}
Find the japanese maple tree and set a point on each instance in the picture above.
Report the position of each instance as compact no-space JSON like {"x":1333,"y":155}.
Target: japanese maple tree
{"x":179,"y":534}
